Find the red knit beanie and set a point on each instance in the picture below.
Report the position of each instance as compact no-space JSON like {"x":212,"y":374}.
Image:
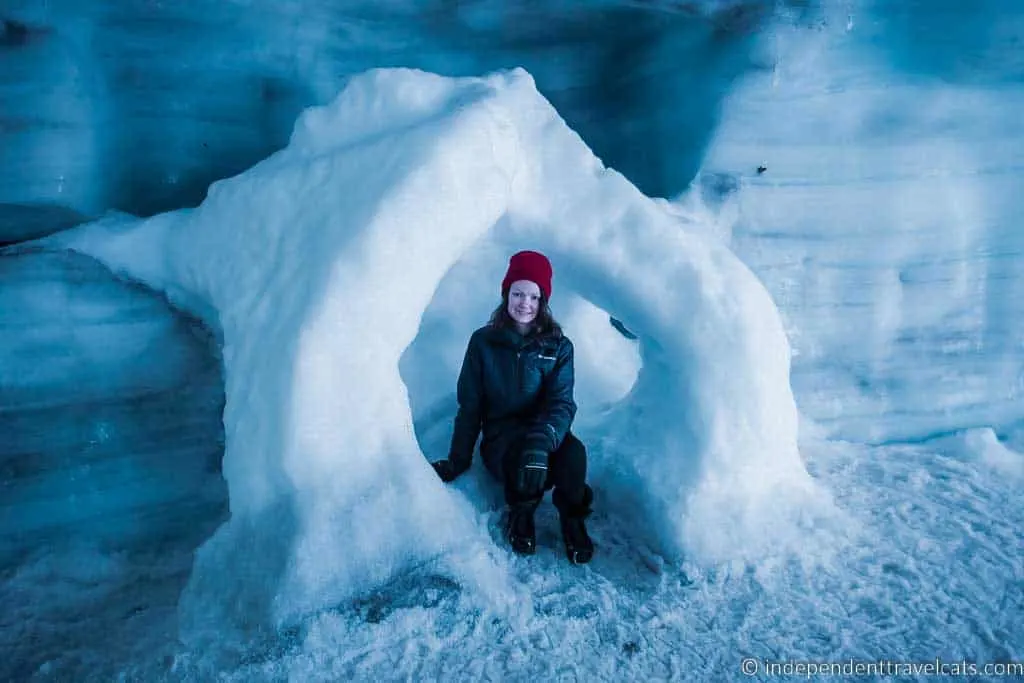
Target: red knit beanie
{"x":528,"y":265}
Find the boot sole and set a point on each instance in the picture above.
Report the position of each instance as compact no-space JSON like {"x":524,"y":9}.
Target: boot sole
{"x":522,"y":546}
{"x":530,"y":550}
{"x":580,"y":556}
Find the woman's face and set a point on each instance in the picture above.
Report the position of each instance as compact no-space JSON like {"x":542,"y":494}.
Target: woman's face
{"x":523,"y":301}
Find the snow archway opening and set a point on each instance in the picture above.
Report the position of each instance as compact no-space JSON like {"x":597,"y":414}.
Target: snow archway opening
{"x":607,"y":356}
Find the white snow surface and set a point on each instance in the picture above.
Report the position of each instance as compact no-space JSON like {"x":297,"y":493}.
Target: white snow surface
{"x":344,"y":276}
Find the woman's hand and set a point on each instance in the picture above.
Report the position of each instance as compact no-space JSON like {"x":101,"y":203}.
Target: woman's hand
{"x":445,"y":470}
{"x":532,"y":474}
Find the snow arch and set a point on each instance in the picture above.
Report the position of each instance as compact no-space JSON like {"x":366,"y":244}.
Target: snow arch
{"x":316,"y":267}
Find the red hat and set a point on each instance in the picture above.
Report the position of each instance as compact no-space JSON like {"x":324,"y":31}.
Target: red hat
{"x":528,"y":265}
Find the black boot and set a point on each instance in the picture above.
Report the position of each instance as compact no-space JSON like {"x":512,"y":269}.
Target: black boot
{"x":522,"y":535}
{"x":578,"y":546}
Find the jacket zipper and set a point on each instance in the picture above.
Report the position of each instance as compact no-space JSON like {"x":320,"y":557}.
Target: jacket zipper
{"x":519,"y":383}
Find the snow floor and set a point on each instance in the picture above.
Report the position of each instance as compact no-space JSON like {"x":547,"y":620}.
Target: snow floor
{"x":934,"y":571}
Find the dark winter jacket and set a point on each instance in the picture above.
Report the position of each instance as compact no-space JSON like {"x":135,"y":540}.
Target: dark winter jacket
{"x":512,"y":386}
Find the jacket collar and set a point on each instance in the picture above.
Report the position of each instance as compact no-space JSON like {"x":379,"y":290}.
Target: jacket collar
{"x":508,"y":337}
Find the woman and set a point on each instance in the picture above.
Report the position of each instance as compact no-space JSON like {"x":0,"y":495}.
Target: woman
{"x":516,"y":384}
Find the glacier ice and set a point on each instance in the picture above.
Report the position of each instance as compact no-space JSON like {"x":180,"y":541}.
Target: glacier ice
{"x":887,"y":229}
{"x":138,"y":107}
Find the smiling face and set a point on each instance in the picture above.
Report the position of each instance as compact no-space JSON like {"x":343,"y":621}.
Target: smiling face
{"x":523,"y":303}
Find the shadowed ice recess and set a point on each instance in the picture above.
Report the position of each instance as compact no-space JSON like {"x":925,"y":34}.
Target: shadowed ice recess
{"x":804,"y":425}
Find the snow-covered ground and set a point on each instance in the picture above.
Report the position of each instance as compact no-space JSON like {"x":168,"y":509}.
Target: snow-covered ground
{"x":933,"y":571}
{"x":752,"y":498}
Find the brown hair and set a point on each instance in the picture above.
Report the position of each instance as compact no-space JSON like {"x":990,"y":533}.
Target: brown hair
{"x":543,"y":324}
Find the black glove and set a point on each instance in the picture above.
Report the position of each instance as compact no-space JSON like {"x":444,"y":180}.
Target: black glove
{"x":445,"y":470}
{"x":532,"y":473}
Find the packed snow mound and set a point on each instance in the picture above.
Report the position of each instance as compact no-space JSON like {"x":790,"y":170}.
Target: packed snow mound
{"x":983,"y":444}
{"x":316,"y":267}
